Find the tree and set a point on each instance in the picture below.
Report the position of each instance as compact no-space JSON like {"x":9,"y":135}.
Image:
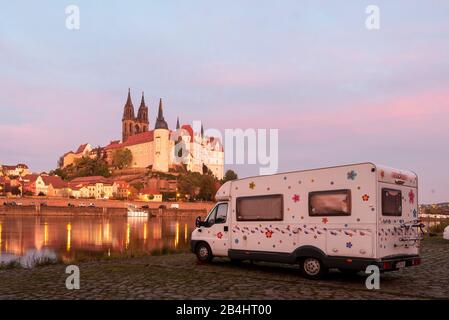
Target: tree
{"x":197,"y":186}
{"x":189,"y":184}
{"x":207,"y":188}
{"x":138,"y":186}
{"x":229,"y":176}
{"x":60,"y":162}
{"x":83,"y":167}
{"x":122,"y":158}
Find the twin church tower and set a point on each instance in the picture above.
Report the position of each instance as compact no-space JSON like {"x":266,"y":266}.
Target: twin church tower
{"x":132,"y":125}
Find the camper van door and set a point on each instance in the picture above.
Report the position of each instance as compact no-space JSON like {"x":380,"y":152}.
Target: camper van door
{"x":216,"y":229}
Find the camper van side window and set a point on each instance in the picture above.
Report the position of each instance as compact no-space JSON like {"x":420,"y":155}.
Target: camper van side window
{"x":260,"y":208}
{"x":330,"y":203}
{"x":391,"y":202}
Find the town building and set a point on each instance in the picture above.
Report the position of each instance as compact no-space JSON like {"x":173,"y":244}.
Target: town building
{"x":51,"y":186}
{"x":95,"y":187}
{"x":84,"y":150}
{"x":150,"y":194}
{"x":98,"y":187}
{"x":18,"y":170}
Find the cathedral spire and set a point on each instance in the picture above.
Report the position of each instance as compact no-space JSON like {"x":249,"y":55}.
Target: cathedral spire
{"x":202,"y":131}
{"x":160,"y":121}
{"x":177,"y":124}
{"x":142,"y":103}
{"x":142,"y":114}
{"x":128,"y":110}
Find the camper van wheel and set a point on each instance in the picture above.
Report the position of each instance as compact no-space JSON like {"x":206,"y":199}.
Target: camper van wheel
{"x":203,"y":252}
{"x":312,"y":268}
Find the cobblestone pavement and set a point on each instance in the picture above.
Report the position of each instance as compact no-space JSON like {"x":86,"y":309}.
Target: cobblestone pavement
{"x":180,"y":277}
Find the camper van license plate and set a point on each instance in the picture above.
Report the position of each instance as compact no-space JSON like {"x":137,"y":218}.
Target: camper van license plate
{"x":400,"y":264}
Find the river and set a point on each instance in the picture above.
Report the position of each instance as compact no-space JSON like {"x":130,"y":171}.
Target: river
{"x":70,"y":238}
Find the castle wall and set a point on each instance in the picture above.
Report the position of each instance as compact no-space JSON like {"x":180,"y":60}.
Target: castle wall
{"x":142,"y":154}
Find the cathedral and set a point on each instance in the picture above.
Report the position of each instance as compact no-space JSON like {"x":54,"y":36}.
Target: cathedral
{"x":133,"y":125}
{"x":159,"y":148}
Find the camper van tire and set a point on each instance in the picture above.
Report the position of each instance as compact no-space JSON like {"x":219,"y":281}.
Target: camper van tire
{"x":203,"y":252}
{"x":313,"y":268}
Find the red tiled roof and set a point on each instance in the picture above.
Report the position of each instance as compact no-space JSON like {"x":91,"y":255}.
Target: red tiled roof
{"x":214,"y":141}
{"x":92,"y":179}
{"x":30,"y":177}
{"x":55,"y":181}
{"x":8,"y":167}
{"x":121,"y":184}
{"x":149,"y":190}
{"x":189,"y":130}
{"x":81,"y":148}
{"x":4,"y":180}
{"x":139,"y":138}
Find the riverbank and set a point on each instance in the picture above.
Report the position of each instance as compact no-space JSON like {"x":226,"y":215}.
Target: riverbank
{"x":179,"y":276}
{"x":60,"y":206}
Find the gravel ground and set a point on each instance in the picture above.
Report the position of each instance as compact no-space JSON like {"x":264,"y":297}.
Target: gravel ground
{"x":181,"y":277}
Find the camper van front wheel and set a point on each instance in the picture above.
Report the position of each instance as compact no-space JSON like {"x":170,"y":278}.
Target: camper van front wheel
{"x":203,"y":252}
{"x":312,"y":268}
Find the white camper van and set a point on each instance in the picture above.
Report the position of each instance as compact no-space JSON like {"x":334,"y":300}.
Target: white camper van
{"x":345,"y":217}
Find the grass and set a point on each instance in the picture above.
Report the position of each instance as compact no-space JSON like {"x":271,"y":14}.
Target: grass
{"x":28,"y":261}
{"x":13,"y":264}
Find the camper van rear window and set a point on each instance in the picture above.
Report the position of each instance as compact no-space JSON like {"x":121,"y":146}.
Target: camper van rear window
{"x":260,"y":208}
{"x":391,"y":202}
{"x":330,"y":203}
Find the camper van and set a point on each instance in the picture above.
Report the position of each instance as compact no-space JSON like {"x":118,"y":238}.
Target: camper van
{"x":345,"y":217}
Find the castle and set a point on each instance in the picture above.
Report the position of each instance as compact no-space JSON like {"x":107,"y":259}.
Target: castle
{"x":159,"y":149}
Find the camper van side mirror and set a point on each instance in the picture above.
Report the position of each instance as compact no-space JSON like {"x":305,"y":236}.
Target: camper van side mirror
{"x":198,"y":222}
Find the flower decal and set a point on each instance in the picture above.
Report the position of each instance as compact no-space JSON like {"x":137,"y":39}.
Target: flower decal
{"x":382,"y":173}
{"x":349,"y":245}
{"x":325,"y":220}
{"x":269,"y":233}
{"x":252,"y":185}
{"x":219,"y":235}
{"x":365,"y":197}
{"x":296,"y":198}
{"x":351,"y":175}
{"x":411,"y":196}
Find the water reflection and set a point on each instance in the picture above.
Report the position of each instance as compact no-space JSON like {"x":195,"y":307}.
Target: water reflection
{"x":71,"y":238}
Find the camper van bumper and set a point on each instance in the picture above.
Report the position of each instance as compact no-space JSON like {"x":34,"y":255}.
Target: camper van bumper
{"x":388,"y":264}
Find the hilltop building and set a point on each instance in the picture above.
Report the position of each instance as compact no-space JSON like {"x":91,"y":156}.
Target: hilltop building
{"x":159,"y":149}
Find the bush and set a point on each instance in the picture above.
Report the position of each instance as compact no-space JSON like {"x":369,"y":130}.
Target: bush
{"x":439,"y":228}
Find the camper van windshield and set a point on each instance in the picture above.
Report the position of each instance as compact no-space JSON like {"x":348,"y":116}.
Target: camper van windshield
{"x":391,"y":202}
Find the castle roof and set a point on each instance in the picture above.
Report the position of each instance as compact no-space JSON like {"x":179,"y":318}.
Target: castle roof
{"x":81,"y":148}
{"x":139,"y":138}
{"x":188,"y":128}
{"x":160,"y":121}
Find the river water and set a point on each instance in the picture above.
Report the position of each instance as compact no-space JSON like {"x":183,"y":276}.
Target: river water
{"x":69,"y":238}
